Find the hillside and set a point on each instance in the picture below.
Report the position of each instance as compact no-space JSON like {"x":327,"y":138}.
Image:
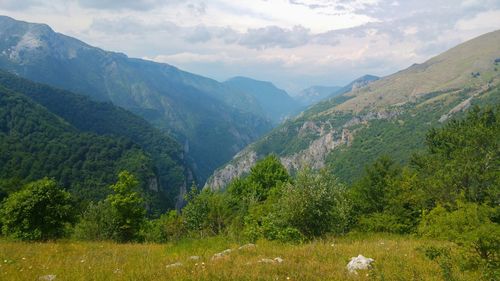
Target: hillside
{"x":171,"y":171}
{"x":316,"y":94}
{"x":275,"y":102}
{"x":35,"y":143}
{"x":387,"y":116}
{"x":211,"y":120}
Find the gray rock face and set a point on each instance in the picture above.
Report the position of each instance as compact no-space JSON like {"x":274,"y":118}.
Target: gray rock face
{"x":243,"y":161}
{"x":327,"y":139}
{"x":359,"y":263}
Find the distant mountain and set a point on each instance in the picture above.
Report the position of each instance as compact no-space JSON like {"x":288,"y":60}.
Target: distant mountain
{"x":358,"y":83}
{"x":275,"y":102}
{"x":316,"y":94}
{"x":387,"y":116}
{"x":211,"y":120}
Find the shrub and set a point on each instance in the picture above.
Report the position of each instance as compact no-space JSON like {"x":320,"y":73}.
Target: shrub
{"x":97,"y":223}
{"x":316,"y":204}
{"x":39,"y":211}
{"x":119,"y":217}
{"x":469,"y":226}
{"x":169,"y":227}
{"x":381,"y":222}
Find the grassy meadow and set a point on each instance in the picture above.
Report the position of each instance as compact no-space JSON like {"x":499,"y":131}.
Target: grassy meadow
{"x":396,"y":258}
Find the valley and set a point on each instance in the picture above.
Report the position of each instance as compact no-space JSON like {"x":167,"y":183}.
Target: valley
{"x":118,"y":162}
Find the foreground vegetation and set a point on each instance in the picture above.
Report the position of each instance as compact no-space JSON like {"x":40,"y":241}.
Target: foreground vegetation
{"x":445,"y":204}
{"x":396,"y":258}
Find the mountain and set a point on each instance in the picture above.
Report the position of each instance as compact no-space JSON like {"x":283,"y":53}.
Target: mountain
{"x":387,"y":116}
{"x":171,"y":173}
{"x":357,"y":83}
{"x":316,"y":94}
{"x":276,"y":103}
{"x":35,"y":143}
{"x":211,"y":120}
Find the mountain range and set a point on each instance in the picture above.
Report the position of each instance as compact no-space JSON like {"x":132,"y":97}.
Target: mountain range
{"x":210,"y":119}
{"x":275,"y":102}
{"x":375,"y":117}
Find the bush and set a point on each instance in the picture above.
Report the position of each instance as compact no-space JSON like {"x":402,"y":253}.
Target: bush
{"x":316,"y":204}
{"x":381,"y":222}
{"x":127,"y":207}
{"x":169,"y":227}
{"x":469,"y":226}
{"x":98,"y":223}
{"x":207,"y":213}
{"x":39,"y":211}
{"x":119,"y":218}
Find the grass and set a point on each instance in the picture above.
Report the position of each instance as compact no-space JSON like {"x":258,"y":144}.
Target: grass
{"x":396,"y":258}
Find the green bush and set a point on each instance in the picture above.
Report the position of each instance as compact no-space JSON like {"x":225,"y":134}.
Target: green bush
{"x":316,"y":204}
{"x":381,"y":222}
{"x":39,"y":211}
{"x":98,"y":223}
{"x":120,"y":217}
{"x":469,"y":225}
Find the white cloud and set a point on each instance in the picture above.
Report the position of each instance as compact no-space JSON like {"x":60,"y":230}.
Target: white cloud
{"x":295,"y":43}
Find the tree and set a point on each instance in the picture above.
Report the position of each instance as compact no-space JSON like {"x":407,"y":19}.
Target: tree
{"x":127,"y":206}
{"x":39,"y":211}
{"x":316,"y":204}
{"x":463,"y":158}
{"x":266,"y":174}
{"x":370,"y":193}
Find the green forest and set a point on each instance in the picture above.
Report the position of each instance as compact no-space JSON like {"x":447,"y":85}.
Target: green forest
{"x":83,"y":145}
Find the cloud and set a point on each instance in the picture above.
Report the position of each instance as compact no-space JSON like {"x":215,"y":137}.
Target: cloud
{"x":142,"y":5}
{"x":274,"y":36}
{"x":16,"y":5}
{"x":295,"y":43}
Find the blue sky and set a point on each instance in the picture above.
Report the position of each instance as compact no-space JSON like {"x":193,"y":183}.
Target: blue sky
{"x":293,"y":43}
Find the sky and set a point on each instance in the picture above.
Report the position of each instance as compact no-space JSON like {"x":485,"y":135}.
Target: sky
{"x":292,"y":43}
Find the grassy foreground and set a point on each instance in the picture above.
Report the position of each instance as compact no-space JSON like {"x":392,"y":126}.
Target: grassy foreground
{"x":396,"y":258}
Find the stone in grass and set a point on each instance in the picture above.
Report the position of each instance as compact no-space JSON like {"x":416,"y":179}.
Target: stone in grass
{"x":247,"y":246}
{"x":177,"y":264}
{"x":194,"y":258}
{"x":275,"y":260}
{"x":50,"y":277}
{"x":359,"y":263}
{"x":221,"y":254}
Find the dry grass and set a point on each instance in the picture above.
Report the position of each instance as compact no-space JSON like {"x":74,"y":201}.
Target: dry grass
{"x":396,"y":258}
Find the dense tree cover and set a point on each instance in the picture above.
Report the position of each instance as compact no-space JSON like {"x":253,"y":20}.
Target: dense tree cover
{"x":35,"y":143}
{"x":39,"y":211}
{"x":106,"y":119}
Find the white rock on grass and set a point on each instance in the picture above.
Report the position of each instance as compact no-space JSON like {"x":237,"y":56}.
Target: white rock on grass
{"x":194,"y":258}
{"x":50,"y":277}
{"x":177,"y":264}
{"x":247,"y":246}
{"x":221,"y":254}
{"x":275,"y":260}
{"x":267,"y":261}
{"x":359,"y":263}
